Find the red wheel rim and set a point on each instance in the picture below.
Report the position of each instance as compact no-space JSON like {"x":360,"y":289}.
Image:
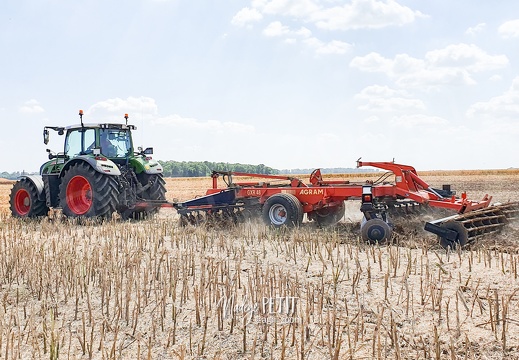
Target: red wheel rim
{"x":22,"y":202}
{"x":79,"y":195}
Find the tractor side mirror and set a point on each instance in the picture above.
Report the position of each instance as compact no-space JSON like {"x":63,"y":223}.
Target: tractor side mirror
{"x":51,"y":155}
{"x":45,"y":136}
{"x":148,"y":151}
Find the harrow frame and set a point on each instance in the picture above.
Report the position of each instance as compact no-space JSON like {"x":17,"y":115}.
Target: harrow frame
{"x":321,"y":198}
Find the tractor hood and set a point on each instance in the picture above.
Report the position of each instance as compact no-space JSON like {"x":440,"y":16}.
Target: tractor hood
{"x":146,"y":164}
{"x":99,"y":163}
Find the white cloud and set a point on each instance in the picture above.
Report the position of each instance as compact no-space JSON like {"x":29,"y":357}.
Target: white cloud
{"x":371,"y":119}
{"x":290,"y":8}
{"x":358,"y":14}
{"x":326,"y":138}
{"x":146,"y":108}
{"x":117,"y":107}
{"x":276,"y":29}
{"x":417,"y":120}
{"x":384,"y":99}
{"x":246,"y":16}
{"x":400,"y":109}
{"x":332,"y":47}
{"x":303,"y":32}
{"x":411,"y":72}
{"x":206,"y":126}
{"x":429,"y":78}
{"x":372,"y":62}
{"x":453,"y":65}
{"x":31,"y":107}
{"x":474,"y":30}
{"x":469,"y":57}
{"x":361,"y":14}
{"x":509,"y":29}
{"x":504,"y":107}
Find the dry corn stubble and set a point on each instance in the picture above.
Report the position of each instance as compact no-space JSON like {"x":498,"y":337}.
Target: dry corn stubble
{"x":152,"y":289}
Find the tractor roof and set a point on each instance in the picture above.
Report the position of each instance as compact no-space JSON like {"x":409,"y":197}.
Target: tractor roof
{"x":103,"y":126}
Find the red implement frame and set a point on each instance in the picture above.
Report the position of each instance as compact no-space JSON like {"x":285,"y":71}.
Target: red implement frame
{"x":319,"y":193}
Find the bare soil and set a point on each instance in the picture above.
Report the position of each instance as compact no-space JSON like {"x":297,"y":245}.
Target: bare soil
{"x":152,"y":289}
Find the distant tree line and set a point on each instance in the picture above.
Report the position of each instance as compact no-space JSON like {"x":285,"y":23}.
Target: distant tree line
{"x":14,"y":175}
{"x":204,"y":168}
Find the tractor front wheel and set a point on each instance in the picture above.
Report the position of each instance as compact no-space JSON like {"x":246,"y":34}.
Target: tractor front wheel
{"x":24,"y":201}
{"x":156,"y":191}
{"x":84,"y":192}
{"x":282,"y":209}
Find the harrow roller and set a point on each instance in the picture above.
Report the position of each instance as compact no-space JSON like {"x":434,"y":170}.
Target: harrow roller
{"x":460,"y":230}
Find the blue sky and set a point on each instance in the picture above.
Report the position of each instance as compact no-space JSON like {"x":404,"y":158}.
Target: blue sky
{"x":286,"y":83}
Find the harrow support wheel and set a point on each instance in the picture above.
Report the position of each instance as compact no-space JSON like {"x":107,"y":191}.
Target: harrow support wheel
{"x":24,"y":201}
{"x":282,"y":209}
{"x":375,"y":230}
{"x":84,"y":192}
{"x":328,"y":216}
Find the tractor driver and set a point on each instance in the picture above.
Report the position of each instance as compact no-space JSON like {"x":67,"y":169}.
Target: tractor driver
{"x":107,"y":148}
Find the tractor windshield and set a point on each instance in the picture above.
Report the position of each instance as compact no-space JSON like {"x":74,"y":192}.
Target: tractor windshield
{"x":115,"y":142}
{"x":78,"y":141}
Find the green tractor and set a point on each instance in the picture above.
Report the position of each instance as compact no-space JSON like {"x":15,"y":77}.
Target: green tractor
{"x":98,"y":173}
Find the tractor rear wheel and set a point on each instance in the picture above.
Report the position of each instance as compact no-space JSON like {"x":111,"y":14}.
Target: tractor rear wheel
{"x":84,"y":192}
{"x":328,"y":216}
{"x":24,"y":201}
{"x":282,"y":209}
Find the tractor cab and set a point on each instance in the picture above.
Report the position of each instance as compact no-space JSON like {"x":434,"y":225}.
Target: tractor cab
{"x":113,"y":141}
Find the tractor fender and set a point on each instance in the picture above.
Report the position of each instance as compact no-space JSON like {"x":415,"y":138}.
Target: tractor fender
{"x":146,"y":166}
{"x":102,"y":165}
{"x":37,"y":180}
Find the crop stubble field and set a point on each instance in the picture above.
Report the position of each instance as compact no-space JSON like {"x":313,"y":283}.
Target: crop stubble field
{"x":153,"y":290}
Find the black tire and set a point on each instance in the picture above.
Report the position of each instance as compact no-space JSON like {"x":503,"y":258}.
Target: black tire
{"x":156,"y":191}
{"x":328,"y":216}
{"x":282,"y":210}
{"x":375,"y":231}
{"x":24,"y":201}
{"x":84,"y":192}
